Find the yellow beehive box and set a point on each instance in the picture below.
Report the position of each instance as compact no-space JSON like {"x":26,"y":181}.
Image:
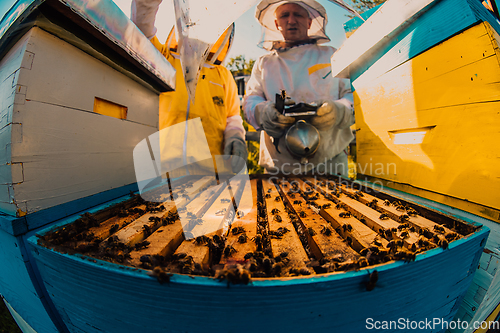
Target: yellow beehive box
{"x":430,"y":126}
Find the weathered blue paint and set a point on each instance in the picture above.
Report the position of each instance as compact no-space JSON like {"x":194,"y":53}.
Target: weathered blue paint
{"x":443,"y":20}
{"x":21,"y":289}
{"x":356,"y":22}
{"x":96,"y":296}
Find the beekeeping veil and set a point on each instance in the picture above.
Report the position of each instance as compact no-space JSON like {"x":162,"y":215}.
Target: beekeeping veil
{"x":199,"y":24}
{"x":265,"y":14}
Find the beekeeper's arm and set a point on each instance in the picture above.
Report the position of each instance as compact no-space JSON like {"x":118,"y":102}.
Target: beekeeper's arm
{"x":143,"y":14}
{"x":259,"y":112}
{"x":338,"y":113}
{"x":234,"y":134}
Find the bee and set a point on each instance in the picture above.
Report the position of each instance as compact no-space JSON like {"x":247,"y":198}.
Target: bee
{"x":237,"y":230}
{"x":439,"y":229}
{"x":201,"y":240}
{"x":277,"y":198}
{"x":347,"y":227}
{"x":384,"y":216}
{"x":326,"y":231}
{"x":362,"y":262}
{"x":348,"y":240}
{"x":258,"y":242}
{"x":302,"y":213}
{"x":114,"y":228}
{"x":411,"y":212}
{"x":297,"y":202}
{"x":276,"y":234}
{"x":345,"y":215}
{"x":403,"y":226}
{"x":229,"y":250}
{"x":268,"y":196}
{"x":388,"y":233}
{"x":311,"y":231}
{"x":359,"y":193}
{"x":220,"y":212}
{"x":443,"y":243}
{"x":372,"y":280}
{"x":236,"y":275}
{"x":392,"y":245}
{"x":423,"y":242}
{"x":405,"y":255}
{"x":146,"y":229}
{"x":269,"y":190}
{"x":413,"y":247}
{"x":404,"y":234}
{"x":277,"y":218}
{"x":426,"y":233}
{"x":161,"y":275}
{"x":340,"y":206}
{"x":403,"y":218}
{"x":327,"y":205}
{"x":240,"y":214}
{"x":248,"y":255}
{"x":377,"y":242}
{"x":373,"y":204}
{"x":141,"y":245}
{"x":275,"y":211}
{"x":451,"y":236}
{"x":242,"y":238}
{"x":387,"y":203}
{"x":401,"y":208}
{"x":291,"y":195}
{"x":283,"y":230}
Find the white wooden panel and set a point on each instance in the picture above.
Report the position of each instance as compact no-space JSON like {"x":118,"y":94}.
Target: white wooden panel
{"x":67,"y":154}
{"x":64,"y":75}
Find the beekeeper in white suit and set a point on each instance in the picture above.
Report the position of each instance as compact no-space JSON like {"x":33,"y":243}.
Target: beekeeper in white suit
{"x":301,"y":67}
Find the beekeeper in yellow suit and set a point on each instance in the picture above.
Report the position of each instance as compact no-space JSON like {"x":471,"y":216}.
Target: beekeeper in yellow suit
{"x":216,"y":102}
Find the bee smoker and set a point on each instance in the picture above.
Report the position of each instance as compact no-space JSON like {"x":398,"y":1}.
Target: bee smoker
{"x":302,"y":139}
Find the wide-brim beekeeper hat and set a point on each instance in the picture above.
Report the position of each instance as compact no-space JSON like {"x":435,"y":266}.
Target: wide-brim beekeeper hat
{"x":265,"y":14}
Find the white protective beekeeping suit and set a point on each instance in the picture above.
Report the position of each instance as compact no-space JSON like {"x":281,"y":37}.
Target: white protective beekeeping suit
{"x":304,"y":72}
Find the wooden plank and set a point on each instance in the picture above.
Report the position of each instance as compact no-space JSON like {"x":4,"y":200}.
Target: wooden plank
{"x":242,"y":241}
{"x":372,"y":218}
{"x":375,"y":33}
{"x":360,"y":235}
{"x":146,"y":224}
{"x":329,"y":246}
{"x":400,"y":214}
{"x":290,"y":242}
{"x":412,"y":100}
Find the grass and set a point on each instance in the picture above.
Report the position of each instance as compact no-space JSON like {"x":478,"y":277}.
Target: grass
{"x":7,"y":323}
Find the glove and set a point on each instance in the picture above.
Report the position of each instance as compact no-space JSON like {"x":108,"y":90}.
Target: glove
{"x":235,"y":145}
{"x":143,"y":14}
{"x":328,"y":114}
{"x":269,"y":119}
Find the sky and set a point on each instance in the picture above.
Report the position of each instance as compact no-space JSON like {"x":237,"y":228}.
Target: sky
{"x":247,"y":28}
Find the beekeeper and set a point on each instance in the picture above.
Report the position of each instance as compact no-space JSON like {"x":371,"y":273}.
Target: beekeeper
{"x":298,"y":64}
{"x":216,"y":102}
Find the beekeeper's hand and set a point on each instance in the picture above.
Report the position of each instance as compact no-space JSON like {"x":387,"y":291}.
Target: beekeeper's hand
{"x":143,"y":14}
{"x":235,"y":145}
{"x":270,"y":120}
{"x":329,"y":114}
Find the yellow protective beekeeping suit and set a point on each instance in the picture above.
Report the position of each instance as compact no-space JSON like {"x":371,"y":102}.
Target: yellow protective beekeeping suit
{"x":216,"y":93}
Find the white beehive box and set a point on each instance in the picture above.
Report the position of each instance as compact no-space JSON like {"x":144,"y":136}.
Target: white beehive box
{"x":54,"y":146}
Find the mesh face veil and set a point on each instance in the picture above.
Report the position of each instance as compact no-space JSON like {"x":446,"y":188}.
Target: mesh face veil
{"x":265,"y":14}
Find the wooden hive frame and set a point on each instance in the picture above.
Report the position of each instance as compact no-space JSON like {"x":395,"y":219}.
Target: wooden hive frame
{"x":295,"y":227}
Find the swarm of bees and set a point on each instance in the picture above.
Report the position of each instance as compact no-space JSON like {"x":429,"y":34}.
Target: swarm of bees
{"x":403,"y":242}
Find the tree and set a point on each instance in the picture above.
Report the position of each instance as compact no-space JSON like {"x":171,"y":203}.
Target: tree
{"x":362,"y":6}
{"x":240,"y":66}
